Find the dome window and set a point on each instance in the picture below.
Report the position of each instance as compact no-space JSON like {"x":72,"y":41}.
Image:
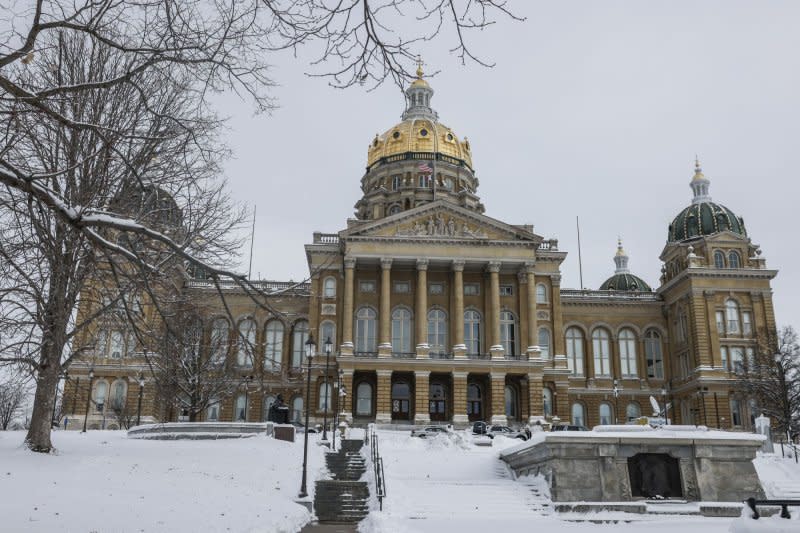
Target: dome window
{"x":396,"y":135}
{"x":449,"y":136}
{"x":423,"y":132}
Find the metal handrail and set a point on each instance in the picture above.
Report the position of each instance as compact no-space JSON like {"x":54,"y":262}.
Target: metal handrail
{"x":377,"y":466}
{"x":752,"y":502}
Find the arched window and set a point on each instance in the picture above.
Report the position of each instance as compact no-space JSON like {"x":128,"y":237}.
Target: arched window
{"x":719,"y":259}
{"x":365,"y":330}
{"x":508,"y":332}
{"x":600,"y":350}
{"x":273,"y":344}
{"x":578,"y":414}
{"x":575,"y":351}
{"x":605,"y":414}
{"x":192,"y":339}
{"x":732,"y":316}
{"x":241,"y":408}
{"x":212,"y":411}
{"x":733,"y":259}
{"x":401,"y":400}
{"x":364,"y":399}
{"x":247,"y":342}
{"x":219,"y":338}
{"x":268,"y":401}
{"x":541,"y":293}
{"x":547,"y":402}
{"x":510,"y":395}
{"x":327,"y":330}
{"x":437,"y":401}
{"x":401,"y":330}
{"x":633,"y":411}
{"x":297,"y":409}
{"x":652,"y":351}
{"x":118,"y":396}
{"x":395,"y":209}
{"x":329,"y":288}
{"x":324,"y":397}
{"x":544,"y":342}
{"x":627,"y":353}
{"x":437,"y":332}
{"x":472,"y":332}
{"x":299,"y":338}
{"x":100,"y":392}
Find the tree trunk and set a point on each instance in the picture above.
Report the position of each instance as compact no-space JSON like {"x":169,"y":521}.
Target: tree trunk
{"x":38,"y":437}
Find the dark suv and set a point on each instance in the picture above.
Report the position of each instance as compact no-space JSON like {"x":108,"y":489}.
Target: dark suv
{"x":565,"y":427}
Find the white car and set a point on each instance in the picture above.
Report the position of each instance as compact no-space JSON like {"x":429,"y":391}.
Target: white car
{"x":505,"y":431}
{"x":429,"y":431}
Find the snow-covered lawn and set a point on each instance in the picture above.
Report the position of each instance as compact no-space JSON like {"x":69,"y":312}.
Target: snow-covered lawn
{"x":102,"y":481}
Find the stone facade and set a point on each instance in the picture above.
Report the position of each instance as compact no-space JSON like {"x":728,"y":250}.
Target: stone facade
{"x":440,"y":313}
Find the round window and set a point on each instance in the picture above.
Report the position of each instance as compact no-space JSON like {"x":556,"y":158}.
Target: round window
{"x":396,"y":135}
{"x":449,"y":136}
{"x":423,"y":132}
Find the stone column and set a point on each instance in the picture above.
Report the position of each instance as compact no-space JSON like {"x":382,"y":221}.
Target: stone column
{"x":460,"y":398}
{"x":383,"y":405}
{"x":533,"y":326}
{"x":421,"y":318}
{"x":557,"y":339}
{"x":347,"y":312}
{"x":496,"y":348}
{"x":346,"y":406}
{"x":457,"y":316}
{"x":421,"y":395}
{"x":498,"y":387}
{"x":535,"y":397}
{"x":385,"y":335}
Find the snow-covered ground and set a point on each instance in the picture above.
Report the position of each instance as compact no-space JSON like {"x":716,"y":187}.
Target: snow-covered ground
{"x":449,"y":484}
{"x":102,"y":481}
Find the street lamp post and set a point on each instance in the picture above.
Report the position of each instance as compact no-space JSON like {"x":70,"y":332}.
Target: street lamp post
{"x":247,"y":381}
{"x":666,"y":407}
{"x":88,"y":398}
{"x":139,"y":403}
{"x":616,"y":390}
{"x":328,"y":346}
{"x":310,"y":347}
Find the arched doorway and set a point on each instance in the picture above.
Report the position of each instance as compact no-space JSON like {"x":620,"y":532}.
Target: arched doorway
{"x":437,"y":405}
{"x":474,"y":402}
{"x":401,"y":401}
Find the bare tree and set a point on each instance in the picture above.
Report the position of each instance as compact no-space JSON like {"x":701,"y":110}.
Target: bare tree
{"x":109,"y":156}
{"x":12,"y":397}
{"x":772,"y":378}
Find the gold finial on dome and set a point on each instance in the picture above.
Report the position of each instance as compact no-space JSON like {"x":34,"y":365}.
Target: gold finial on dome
{"x":420,"y":72}
{"x":698,"y":170}
{"x":620,"y":250}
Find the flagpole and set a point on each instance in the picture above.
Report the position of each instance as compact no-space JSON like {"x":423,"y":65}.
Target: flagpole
{"x":580,"y":262}
{"x":252,"y":238}
{"x":434,"y":173}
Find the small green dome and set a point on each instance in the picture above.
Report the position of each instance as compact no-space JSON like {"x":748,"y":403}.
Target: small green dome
{"x":625,"y":282}
{"x":702,"y":219}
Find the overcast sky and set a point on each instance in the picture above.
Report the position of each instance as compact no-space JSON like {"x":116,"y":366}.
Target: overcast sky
{"x":594,"y":109}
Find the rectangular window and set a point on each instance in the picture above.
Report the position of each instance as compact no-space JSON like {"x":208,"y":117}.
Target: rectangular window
{"x":396,"y":181}
{"x":723,"y":355}
{"x":747,"y":323}
{"x":436,"y":288}
{"x":402,"y":287}
{"x":472,"y":289}
{"x":736,"y":412}
{"x":683,"y":361}
{"x":750,"y":354}
{"x":737,"y":359}
{"x":366,"y":286}
{"x":720,"y":323}
{"x":506,"y":290}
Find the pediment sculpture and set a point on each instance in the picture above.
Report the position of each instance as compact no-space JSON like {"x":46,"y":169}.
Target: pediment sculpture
{"x":440,"y":226}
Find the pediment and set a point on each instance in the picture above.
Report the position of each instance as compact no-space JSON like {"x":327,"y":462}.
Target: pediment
{"x":443,"y":221}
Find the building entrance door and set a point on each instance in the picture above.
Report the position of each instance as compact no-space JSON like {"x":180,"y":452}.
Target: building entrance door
{"x":437,"y":405}
{"x":401,"y":401}
{"x":474,"y":402}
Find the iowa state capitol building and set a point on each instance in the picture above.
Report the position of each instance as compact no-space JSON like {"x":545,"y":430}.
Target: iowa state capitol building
{"x":438,"y":312}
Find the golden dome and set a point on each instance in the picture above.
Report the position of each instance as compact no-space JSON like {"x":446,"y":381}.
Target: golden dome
{"x":419,"y":135}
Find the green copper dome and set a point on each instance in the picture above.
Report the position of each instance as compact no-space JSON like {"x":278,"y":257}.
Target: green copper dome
{"x":625,"y":282}
{"x":702,"y":219}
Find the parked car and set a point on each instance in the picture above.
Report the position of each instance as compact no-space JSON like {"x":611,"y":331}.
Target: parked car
{"x":479,"y":428}
{"x":567,"y":427}
{"x":429,"y":431}
{"x":300,"y":428}
{"x":506,"y":431}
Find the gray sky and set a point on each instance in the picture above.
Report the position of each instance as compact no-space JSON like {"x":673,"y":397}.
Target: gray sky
{"x":593,"y":109}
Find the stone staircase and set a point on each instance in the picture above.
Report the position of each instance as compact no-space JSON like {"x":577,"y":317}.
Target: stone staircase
{"x":343,"y":499}
{"x":786,"y":490}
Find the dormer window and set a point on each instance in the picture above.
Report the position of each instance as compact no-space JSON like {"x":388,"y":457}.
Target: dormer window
{"x":423,"y":132}
{"x":733,"y":260}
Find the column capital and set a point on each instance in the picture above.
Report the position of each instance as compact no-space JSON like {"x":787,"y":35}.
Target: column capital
{"x":555,"y":279}
{"x":349,"y":262}
{"x":522,"y":277}
{"x":497,"y":375}
{"x":458,"y":265}
{"x":422,"y":264}
{"x":386,"y":263}
{"x":528,"y":267}
{"x":384,"y":373}
{"x":493,"y":266}
{"x":460,"y":375}
{"x":422,"y":373}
